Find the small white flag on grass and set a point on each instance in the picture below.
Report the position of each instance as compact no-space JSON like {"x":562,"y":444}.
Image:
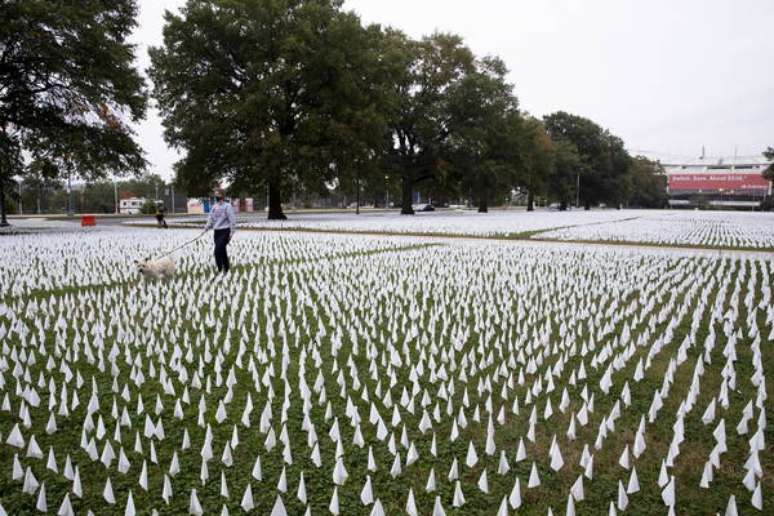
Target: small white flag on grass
{"x":130,"y":510}
{"x":333,"y":506}
{"x":515,"y":497}
{"x":668,"y":494}
{"x":377,"y":510}
{"x":472,"y":457}
{"x":483,"y":482}
{"x":279,"y":507}
{"x":534,"y":478}
{"x":438,"y":508}
{"x":301,"y":493}
{"x":577,"y":489}
{"x":459,"y":497}
{"x":366,"y":494}
{"x":194,"y":507}
{"x":107,"y":492}
{"x":623,"y":500}
{"x":503,"y":510}
{"x":41,"y":505}
{"x":411,"y":505}
{"x":247,"y":503}
{"x":634,"y":483}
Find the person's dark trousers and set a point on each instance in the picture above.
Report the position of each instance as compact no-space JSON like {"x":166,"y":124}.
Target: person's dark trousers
{"x":221,"y":256}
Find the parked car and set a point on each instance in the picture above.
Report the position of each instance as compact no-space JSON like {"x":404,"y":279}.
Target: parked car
{"x":424,"y":207}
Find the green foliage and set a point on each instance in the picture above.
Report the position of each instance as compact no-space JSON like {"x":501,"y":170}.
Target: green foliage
{"x":604,"y":161}
{"x":279,"y":93}
{"x":419,"y":123}
{"x":484,"y":130}
{"x":68,"y":86}
{"x":538,"y":159}
{"x":148,"y":207}
{"x":562,"y":178}
{"x":645,"y":184}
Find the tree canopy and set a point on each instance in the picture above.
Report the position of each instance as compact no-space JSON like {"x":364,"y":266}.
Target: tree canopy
{"x":603,"y":160}
{"x":419,"y":122}
{"x":646,"y":184}
{"x":484,"y":131}
{"x":69,"y":88}
{"x":268,"y":93}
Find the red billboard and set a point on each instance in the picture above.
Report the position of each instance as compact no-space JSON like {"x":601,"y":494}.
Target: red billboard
{"x":716,"y":182}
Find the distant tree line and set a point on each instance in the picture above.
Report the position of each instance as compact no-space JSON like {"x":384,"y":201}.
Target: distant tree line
{"x":291,"y":97}
{"x":35,"y":193}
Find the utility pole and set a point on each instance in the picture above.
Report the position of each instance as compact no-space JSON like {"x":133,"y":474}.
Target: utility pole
{"x":69,"y":197}
{"x":115,"y":194}
{"x":21,"y":207}
{"x":577,"y":190}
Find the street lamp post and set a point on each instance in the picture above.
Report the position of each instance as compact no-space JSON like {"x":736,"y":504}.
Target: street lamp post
{"x":386,"y":193}
{"x":69,"y":197}
{"x":577,"y":190}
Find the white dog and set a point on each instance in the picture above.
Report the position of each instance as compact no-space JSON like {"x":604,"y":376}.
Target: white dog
{"x":156,"y":269}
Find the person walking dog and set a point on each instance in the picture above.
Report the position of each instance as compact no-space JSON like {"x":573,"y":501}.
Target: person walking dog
{"x":222,"y":221}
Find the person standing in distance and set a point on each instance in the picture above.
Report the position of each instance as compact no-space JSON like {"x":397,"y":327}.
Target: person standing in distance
{"x":222,"y":221}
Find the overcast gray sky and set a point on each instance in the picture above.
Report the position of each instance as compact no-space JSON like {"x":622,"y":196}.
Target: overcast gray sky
{"x":668,"y":76}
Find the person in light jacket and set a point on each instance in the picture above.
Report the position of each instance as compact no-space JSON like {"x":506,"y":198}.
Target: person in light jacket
{"x":222,"y":221}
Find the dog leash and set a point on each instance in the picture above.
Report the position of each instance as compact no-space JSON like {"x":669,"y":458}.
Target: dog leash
{"x":183,"y":245}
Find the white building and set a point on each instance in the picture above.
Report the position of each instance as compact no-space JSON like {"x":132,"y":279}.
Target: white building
{"x":132,"y":205}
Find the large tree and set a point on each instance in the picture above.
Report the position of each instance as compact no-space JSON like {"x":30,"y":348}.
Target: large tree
{"x":604,"y":161}
{"x":485,"y":131}
{"x":538,"y":160}
{"x":267,"y":94}
{"x":68,"y":87}
{"x":424,"y":72}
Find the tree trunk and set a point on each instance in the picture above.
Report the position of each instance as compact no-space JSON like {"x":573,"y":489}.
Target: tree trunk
{"x":563,"y":205}
{"x":3,"y":220}
{"x":586,"y":205}
{"x":483,"y":203}
{"x":407,"y":184}
{"x":275,"y":201}
{"x":530,"y":201}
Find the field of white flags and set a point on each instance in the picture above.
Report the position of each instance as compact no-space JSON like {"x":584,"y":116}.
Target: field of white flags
{"x":706,"y":229}
{"x":375,"y":375}
{"x":501,"y":223}
{"x":727,"y":230}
